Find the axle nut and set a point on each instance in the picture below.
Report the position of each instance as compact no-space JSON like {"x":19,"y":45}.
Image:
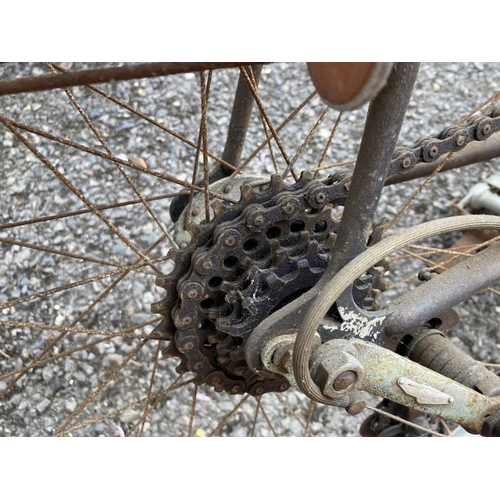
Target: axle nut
{"x":335,"y":368}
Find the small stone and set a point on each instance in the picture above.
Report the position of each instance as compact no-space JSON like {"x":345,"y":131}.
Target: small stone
{"x":59,"y":320}
{"x":128,"y":416}
{"x":43,"y":405}
{"x":70,"y":404}
{"x":115,"y":359}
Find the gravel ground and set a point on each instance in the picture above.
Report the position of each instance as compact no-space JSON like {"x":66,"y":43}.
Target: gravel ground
{"x":42,"y":401}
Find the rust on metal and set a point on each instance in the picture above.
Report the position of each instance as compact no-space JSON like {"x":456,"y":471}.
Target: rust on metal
{"x":108,"y":74}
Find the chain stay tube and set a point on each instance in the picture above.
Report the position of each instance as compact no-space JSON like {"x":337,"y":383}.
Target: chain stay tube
{"x":403,"y":381}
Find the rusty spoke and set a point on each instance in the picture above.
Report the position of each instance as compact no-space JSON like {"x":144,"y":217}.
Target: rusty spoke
{"x":150,"y":387}
{"x":204,"y":88}
{"x":150,"y":120}
{"x":406,"y":422}
{"x":264,"y":114}
{"x":8,"y":122}
{"x":335,"y":165}
{"x":52,"y":250}
{"x":306,"y":141}
{"x":41,"y":362}
{"x":84,"y":211}
{"x":268,"y":420}
{"x":293,"y":412}
{"x":88,"y":309}
{"x":310,"y":411}
{"x":65,"y":181}
{"x":75,"y":284}
{"x":112,"y":375}
{"x":155,"y":396}
{"x":255,"y":416}
{"x":228,"y":415}
{"x":328,"y":144}
{"x":106,"y":147}
{"x":192,"y":411}
{"x":282,"y":125}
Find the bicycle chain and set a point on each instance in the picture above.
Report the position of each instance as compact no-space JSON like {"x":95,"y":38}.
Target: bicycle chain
{"x":240,"y":266}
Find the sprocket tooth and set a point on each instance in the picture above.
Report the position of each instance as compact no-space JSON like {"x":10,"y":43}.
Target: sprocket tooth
{"x":218,"y":208}
{"x":276,"y":182}
{"x":161,"y":281}
{"x":171,"y":351}
{"x":246,"y":192}
{"x":173,"y":254}
{"x":159,"y":308}
{"x":164,"y":330}
{"x":215,"y":338}
{"x":306,"y":176}
{"x":182,"y":368}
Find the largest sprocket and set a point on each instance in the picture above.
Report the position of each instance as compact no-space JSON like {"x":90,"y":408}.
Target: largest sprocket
{"x":251,"y":259}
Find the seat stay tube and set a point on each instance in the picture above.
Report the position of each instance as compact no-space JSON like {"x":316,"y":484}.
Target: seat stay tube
{"x":383,"y":124}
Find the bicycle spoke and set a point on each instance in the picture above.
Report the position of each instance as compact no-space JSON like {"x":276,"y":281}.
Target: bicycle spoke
{"x":80,"y":195}
{"x":36,"y":363}
{"x":306,"y":141}
{"x":228,"y":415}
{"x":282,"y":125}
{"x":91,"y":306}
{"x":75,"y":213}
{"x":405,"y":422}
{"x":264,"y":114}
{"x":113,"y":375}
{"x":310,"y":411}
{"x":75,"y":284}
{"x":52,"y":250}
{"x":255,"y":416}
{"x":204,"y":88}
{"x":328,"y":144}
{"x":193,"y":408}
{"x":106,"y":147}
{"x":336,"y":165}
{"x":293,"y":412}
{"x":150,"y":387}
{"x":155,"y":396}
{"x":150,"y":120}
{"x":268,"y":420}
{"x":12,"y":124}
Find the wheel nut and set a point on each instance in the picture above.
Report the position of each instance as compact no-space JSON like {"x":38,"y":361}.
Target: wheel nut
{"x":345,"y":380}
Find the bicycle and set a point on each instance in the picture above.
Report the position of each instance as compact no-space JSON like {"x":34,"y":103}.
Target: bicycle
{"x":295,"y":246}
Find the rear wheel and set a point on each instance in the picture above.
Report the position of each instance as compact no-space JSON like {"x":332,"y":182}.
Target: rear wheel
{"x":86,"y":230}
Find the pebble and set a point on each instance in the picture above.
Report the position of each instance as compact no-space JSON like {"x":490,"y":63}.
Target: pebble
{"x":43,"y":405}
{"x":129,"y":415}
{"x":70,"y":404}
